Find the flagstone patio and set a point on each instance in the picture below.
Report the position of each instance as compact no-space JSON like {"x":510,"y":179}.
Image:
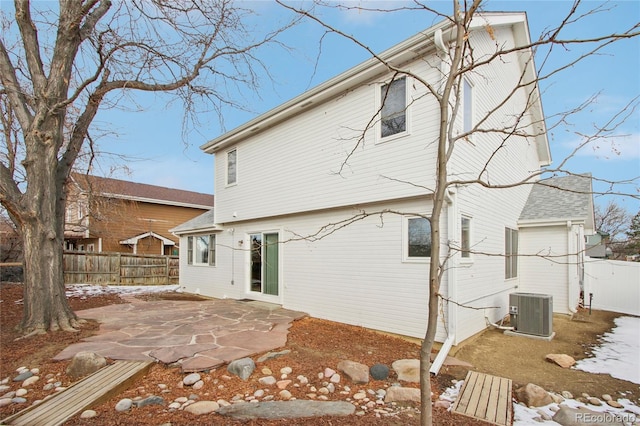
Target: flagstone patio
{"x":199,"y":335}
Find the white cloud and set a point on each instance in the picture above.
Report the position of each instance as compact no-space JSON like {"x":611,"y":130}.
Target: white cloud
{"x":367,"y":12}
{"x":613,"y":148}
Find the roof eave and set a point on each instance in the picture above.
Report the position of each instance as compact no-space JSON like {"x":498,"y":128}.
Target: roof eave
{"x":399,"y":54}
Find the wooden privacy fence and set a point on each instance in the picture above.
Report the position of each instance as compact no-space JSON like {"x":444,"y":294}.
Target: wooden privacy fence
{"x":120,"y":269}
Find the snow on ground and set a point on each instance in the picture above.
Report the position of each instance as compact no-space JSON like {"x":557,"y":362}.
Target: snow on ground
{"x":86,"y":290}
{"x":617,"y":355}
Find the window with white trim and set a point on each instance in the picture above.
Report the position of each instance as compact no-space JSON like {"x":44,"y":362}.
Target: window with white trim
{"x":417,"y":238}
{"x":393,"y":111}
{"x":467,"y":106}
{"x":465,"y":237}
{"x":201,"y":250}
{"x":510,"y":253}
{"x":232,"y":167}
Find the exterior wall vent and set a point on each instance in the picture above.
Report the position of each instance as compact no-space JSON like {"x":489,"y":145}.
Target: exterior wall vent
{"x":531,"y":313}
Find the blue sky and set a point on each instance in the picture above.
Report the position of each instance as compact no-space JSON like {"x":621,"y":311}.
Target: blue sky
{"x":150,"y":133}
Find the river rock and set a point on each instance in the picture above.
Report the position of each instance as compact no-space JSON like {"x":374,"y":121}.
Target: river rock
{"x":87,"y":414}
{"x":191,"y":379}
{"x":150,"y":400}
{"x":358,"y":373}
{"x":242,"y":367}
{"x":288,"y":409}
{"x":408,"y":370}
{"x":84,"y":363}
{"x":399,"y":393}
{"x":272,"y":355}
{"x":23,"y":376}
{"x":202,"y":407}
{"x":379,"y":372}
{"x":267,"y":381}
{"x":533,"y":395}
{"x":563,"y":360}
{"x":124,"y":405}
{"x":31,"y":380}
{"x":580,"y":416}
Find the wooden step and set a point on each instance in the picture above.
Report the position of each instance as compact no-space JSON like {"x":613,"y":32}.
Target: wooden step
{"x":485,"y":397}
{"x":88,"y":392}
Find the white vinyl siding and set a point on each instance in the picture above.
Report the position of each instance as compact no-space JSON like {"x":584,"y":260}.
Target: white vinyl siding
{"x":317,"y":181}
{"x":544,"y":265}
{"x":311,"y":152}
{"x":365,"y":258}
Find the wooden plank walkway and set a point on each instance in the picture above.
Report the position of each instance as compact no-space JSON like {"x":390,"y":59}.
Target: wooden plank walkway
{"x":88,"y":392}
{"x":485,"y":397}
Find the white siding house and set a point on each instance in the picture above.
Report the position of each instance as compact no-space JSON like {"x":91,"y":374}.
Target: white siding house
{"x":319,"y":216}
{"x":553,"y":227}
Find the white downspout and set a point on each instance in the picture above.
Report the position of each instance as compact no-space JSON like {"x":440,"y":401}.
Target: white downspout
{"x":452,"y":270}
{"x":572,"y":265}
{"x":451,"y":287}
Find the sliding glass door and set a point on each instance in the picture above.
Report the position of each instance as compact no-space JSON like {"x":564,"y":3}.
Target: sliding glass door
{"x":264,"y":263}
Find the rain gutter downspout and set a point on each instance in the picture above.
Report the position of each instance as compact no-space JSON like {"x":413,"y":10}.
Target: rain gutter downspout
{"x":449,"y":197}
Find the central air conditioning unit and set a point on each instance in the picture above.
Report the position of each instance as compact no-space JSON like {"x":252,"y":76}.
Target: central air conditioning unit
{"x":531,"y":313}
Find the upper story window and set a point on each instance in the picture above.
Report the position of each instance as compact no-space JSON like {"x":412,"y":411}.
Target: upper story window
{"x":393,"y":114}
{"x":232,"y":167}
{"x":510,"y":253}
{"x":417,"y":238}
{"x":467,"y":106}
{"x":201,"y":250}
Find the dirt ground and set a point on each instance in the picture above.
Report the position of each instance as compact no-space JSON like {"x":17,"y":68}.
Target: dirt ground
{"x":522,"y":359}
{"x":314,"y":345}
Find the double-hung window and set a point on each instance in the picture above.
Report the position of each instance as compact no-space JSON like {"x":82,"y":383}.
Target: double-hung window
{"x":201,"y":250}
{"x":417,"y":238}
{"x":232,"y":167}
{"x":510,"y":253}
{"x":393,"y":111}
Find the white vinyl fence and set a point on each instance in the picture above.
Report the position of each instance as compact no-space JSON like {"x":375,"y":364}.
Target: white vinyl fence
{"x":615,"y":285}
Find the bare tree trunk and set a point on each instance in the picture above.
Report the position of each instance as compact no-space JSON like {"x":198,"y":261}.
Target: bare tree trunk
{"x":45,"y":304}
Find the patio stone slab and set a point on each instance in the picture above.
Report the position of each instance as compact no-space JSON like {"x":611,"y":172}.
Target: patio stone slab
{"x":200,"y":335}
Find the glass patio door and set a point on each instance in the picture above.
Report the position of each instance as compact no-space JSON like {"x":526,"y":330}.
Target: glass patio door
{"x":264,"y":263}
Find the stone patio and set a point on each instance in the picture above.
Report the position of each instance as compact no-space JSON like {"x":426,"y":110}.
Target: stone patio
{"x":200,"y":335}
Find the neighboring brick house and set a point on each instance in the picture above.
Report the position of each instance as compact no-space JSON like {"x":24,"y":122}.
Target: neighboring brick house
{"x":111,"y":215}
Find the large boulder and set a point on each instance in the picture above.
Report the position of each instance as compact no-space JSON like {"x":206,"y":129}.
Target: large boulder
{"x":582,"y":416}
{"x":533,"y":395}
{"x":85,"y":363}
{"x":358,"y":373}
{"x":399,"y":393}
{"x":563,"y":360}
{"x":242,"y":367}
{"x":408,"y":370}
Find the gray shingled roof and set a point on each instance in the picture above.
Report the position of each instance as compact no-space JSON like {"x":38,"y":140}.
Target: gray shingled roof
{"x":204,"y":221}
{"x":567,"y":197}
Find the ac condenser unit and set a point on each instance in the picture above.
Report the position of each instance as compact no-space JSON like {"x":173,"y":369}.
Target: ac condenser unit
{"x":531,"y":313}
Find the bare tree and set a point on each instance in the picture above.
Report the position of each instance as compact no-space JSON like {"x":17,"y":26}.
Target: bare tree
{"x":462,"y":60}
{"x":612,"y":219}
{"x":60,"y":64}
